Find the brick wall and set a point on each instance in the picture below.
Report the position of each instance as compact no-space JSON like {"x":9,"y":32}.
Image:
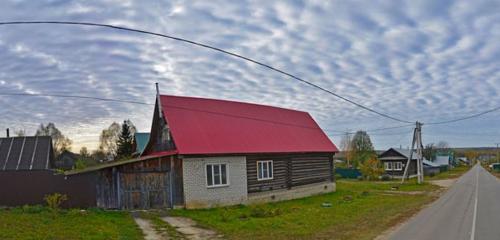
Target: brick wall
{"x":198,"y":195}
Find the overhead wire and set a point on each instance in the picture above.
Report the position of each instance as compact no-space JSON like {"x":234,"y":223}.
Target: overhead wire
{"x":212,"y":48}
{"x":231,"y":54}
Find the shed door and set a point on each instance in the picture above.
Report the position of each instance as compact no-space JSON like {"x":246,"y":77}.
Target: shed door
{"x":144,"y":190}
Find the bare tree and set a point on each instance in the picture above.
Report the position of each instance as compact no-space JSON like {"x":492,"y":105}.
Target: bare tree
{"x":59,"y":141}
{"x":20,"y":133}
{"x":345,"y":146}
{"x":108,"y":139}
{"x":84,"y":152}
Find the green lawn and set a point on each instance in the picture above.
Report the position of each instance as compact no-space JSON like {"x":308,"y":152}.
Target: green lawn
{"x":452,"y":173}
{"x":359,"y":210}
{"x":40,"y":223}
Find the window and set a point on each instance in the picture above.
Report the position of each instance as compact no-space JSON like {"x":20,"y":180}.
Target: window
{"x":388,"y":166}
{"x":398,"y":166}
{"x":264,"y":170}
{"x":216,"y":175}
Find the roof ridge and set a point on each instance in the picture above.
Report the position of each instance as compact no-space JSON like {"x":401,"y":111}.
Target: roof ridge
{"x":234,"y":101}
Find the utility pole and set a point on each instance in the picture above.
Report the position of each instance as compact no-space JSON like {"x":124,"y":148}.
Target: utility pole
{"x":418,"y":146}
{"x":498,"y":153}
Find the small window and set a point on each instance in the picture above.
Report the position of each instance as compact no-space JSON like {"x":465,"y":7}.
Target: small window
{"x":398,"y":166}
{"x":216,"y":175}
{"x":265,"y":170}
{"x":388,"y":166}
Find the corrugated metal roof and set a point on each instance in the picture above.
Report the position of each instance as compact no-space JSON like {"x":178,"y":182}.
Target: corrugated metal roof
{"x":119,"y":163}
{"x":25,"y":153}
{"x":209,"y":126}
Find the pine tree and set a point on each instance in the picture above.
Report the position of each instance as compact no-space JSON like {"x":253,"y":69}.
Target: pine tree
{"x":125,"y":142}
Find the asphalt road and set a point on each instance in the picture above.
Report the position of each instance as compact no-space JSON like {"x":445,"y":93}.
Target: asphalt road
{"x":470,"y":210}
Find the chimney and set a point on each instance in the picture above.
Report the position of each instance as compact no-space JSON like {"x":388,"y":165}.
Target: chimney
{"x":8,"y":135}
{"x":158,"y":99}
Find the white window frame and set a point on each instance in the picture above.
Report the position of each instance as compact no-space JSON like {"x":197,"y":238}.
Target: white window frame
{"x":398,"y":166}
{"x":213,"y":175}
{"x":389,"y":166}
{"x":270,"y":165}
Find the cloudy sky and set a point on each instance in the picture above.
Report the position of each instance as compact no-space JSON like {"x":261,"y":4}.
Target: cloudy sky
{"x":415,"y":60}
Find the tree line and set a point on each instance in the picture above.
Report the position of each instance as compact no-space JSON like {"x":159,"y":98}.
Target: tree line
{"x":115,"y":142}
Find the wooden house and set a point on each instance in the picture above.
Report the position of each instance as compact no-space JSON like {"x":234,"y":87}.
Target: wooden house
{"x":206,"y":152}
{"x":394,"y":162}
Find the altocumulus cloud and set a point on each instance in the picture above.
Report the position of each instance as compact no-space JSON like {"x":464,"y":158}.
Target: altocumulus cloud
{"x":425,"y":60}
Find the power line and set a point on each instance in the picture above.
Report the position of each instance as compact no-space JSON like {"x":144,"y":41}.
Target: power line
{"x":464,"y":118}
{"x":212,"y":48}
{"x":74,"y":96}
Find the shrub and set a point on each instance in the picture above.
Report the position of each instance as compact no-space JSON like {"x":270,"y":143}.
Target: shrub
{"x":33,"y":209}
{"x":261,"y":212}
{"x":55,"y":200}
{"x":338,"y":176}
{"x":80,"y":164}
{"x":385,"y":177}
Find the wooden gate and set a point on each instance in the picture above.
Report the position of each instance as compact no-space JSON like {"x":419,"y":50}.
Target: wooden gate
{"x":144,"y":190}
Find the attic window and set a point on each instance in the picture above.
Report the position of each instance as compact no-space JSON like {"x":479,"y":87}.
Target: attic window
{"x":165,"y":134}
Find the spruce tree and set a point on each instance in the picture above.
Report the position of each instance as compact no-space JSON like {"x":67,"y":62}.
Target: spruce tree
{"x":125,"y":142}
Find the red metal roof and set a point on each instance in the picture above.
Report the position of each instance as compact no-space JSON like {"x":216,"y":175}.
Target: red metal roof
{"x":209,"y":126}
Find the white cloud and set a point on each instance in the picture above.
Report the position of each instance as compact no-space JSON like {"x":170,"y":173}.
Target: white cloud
{"x":426,"y":60}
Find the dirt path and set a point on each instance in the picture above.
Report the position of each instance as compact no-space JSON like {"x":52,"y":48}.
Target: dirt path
{"x":147,"y":228}
{"x":190,"y":230}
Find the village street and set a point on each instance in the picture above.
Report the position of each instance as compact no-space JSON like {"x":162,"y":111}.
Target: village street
{"x":468,"y":210}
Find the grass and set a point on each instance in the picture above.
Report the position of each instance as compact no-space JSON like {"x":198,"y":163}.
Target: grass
{"x":37,"y":222}
{"x":359,"y":210}
{"x":452,"y":173}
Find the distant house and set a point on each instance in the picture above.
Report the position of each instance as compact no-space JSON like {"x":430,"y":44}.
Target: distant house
{"x":394,"y":162}
{"x":140,"y":141}
{"x":207,"y":152}
{"x":66,"y":160}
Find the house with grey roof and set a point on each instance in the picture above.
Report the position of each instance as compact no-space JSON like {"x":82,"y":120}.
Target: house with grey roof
{"x":394,"y":162}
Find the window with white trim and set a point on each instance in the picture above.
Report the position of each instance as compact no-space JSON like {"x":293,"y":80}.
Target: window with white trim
{"x":398,"y":166}
{"x":388,"y":165}
{"x":216,"y":175}
{"x":265,"y":170}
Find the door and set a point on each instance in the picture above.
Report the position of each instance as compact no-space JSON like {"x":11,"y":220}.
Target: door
{"x":144,"y":190}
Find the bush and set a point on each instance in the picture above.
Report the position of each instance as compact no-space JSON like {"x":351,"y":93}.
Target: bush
{"x":261,"y":212}
{"x":33,"y":209}
{"x":338,"y":176}
{"x":55,"y":200}
{"x":80,"y":164}
{"x":385,"y":177}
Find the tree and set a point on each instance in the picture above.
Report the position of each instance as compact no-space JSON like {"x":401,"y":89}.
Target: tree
{"x":371,"y":168}
{"x":345,"y":146}
{"x":442,"y":146}
{"x":108,"y":139}
{"x":362,"y":148}
{"x":125,"y":141}
{"x":20,"y":133}
{"x":429,"y":151}
{"x":59,"y":141}
{"x":84,"y":152}
{"x":471,"y":156}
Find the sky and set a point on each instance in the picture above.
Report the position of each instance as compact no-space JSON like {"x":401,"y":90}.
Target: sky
{"x":416,"y":60}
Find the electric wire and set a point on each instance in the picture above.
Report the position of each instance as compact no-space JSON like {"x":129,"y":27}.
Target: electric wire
{"x":212,"y":48}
